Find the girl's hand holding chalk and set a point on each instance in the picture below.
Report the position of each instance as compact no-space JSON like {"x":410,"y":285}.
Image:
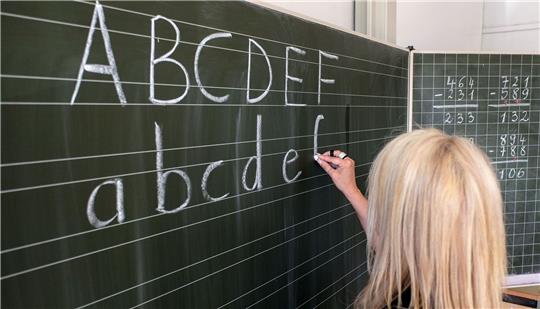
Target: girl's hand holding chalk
{"x":342,"y":171}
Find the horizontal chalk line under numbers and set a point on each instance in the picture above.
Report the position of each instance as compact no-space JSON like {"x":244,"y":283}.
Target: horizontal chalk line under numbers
{"x":344,"y":286}
{"x":288,"y":271}
{"x":510,"y":161}
{"x":241,"y":261}
{"x":456,"y":106}
{"x":509,"y":105}
{"x":122,"y":154}
{"x":160,"y":233}
{"x":6,"y":191}
{"x":156,"y":215}
{"x":70,"y":79}
{"x":293,"y":281}
{"x":333,"y":283}
{"x":245,"y":35}
{"x":57,"y":22}
{"x":212,"y":257}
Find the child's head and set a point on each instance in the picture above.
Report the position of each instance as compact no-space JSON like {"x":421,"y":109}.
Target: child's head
{"x":436,"y":220}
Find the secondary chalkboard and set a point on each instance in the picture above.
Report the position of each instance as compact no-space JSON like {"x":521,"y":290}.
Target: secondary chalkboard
{"x":160,"y":154}
{"x":493,"y":99}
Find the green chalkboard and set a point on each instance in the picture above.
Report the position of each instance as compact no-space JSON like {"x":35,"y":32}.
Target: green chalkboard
{"x":492,"y":99}
{"x":126,"y":131}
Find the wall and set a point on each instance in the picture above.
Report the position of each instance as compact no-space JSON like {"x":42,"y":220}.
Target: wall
{"x":511,"y":26}
{"x":335,"y":12}
{"x":496,"y":26}
{"x":439,"y":25}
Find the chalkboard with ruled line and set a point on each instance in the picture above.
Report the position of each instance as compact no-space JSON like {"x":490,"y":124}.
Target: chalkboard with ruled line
{"x":494,"y":100}
{"x":160,"y":154}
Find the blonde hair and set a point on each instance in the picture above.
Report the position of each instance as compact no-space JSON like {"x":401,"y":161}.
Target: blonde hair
{"x":435,"y":225}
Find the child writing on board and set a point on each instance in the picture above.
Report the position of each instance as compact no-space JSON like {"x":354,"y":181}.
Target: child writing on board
{"x":434,"y":223}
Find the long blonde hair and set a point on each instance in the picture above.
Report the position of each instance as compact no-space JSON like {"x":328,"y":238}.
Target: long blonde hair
{"x":435,"y":225}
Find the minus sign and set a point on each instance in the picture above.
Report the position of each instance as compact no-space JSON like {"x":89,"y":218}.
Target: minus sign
{"x":438,"y":95}
{"x":491,"y":151}
{"x":492,"y":93}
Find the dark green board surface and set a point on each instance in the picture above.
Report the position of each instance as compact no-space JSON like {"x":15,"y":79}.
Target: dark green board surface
{"x":284,"y":245}
{"x":493,"y":99}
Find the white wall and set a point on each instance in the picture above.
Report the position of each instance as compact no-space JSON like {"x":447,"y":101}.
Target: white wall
{"x":335,"y":12}
{"x":439,"y":25}
{"x":496,"y":26}
{"x":511,"y":26}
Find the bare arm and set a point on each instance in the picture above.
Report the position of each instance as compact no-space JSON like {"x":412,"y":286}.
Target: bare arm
{"x":343,"y":176}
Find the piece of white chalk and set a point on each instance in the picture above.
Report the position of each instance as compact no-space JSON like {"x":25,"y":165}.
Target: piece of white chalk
{"x":316,"y":157}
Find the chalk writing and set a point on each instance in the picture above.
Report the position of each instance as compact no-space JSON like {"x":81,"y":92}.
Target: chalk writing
{"x":99,"y":68}
{"x":90,"y":206}
{"x":165,"y":58}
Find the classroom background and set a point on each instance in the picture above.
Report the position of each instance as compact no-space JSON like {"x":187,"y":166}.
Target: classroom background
{"x":160,"y":153}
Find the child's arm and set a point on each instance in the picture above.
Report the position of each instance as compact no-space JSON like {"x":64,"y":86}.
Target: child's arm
{"x":342,"y":172}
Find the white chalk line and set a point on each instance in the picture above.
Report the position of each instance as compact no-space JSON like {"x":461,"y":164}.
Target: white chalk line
{"x":517,"y":223}
{"x":181,"y":287}
{"x":56,"y":184}
{"x":218,"y":105}
{"x":260,"y":300}
{"x":159,"y":234}
{"x":525,"y":212}
{"x":455,"y":106}
{"x":288,"y":271}
{"x":512,"y":190}
{"x":122,"y":154}
{"x":155,"y":215}
{"x":70,"y":79}
{"x":496,"y":75}
{"x":38,"y":19}
{"x":211,"y":257}
{"x":334,"y":282}
{"x":245,"y":35}
{"x":509,"y":105}
{"x":510,"y":161}
{"x":326,"y":288}
{"x":354,"y":279}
